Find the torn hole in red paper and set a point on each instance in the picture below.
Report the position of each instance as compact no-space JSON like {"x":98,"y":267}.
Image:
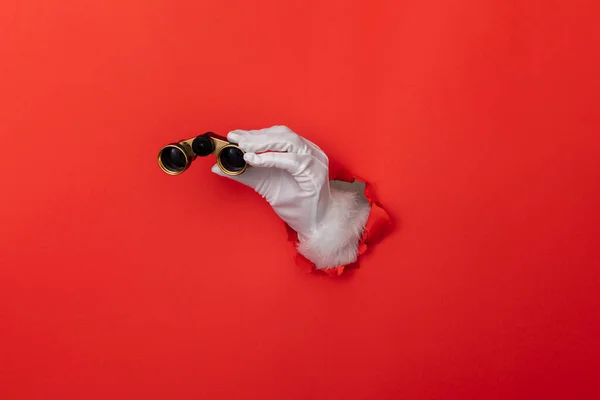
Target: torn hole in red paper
{"x":378,"y":224}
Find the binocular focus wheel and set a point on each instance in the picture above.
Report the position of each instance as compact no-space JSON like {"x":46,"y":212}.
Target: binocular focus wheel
{"x":203,"y":145}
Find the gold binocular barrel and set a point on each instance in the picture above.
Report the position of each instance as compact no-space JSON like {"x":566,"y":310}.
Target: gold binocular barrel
{"x":175,"y":158}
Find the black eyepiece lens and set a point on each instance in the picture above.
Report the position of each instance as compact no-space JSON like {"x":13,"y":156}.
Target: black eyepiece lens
{"x":173,"y":159}
{"x":232,"y":159}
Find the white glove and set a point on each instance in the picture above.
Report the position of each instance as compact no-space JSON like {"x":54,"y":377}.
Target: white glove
{"x":292,"y":174}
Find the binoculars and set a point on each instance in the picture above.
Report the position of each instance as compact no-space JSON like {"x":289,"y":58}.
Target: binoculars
{"x":175,"y":158}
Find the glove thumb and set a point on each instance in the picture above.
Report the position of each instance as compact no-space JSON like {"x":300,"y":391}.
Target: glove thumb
{"x":248,"y":178}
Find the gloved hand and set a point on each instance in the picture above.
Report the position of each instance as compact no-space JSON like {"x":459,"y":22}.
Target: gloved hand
{"x":292,"y":174}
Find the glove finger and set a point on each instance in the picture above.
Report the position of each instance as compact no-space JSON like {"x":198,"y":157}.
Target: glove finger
{"x":317,"y":152}
{"x":252,"y":177}
{"x":307,"y":171}
{"x":238,"y":134}
{"x":276,"y":138}
{"x":242,"y":178}
{"x":285,"y":161}
{"x":216,"y":170}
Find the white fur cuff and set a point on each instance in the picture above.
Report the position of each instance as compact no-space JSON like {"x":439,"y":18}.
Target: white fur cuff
{"x":337,"y":237}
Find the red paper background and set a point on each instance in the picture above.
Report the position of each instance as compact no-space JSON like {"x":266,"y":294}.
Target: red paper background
{"x":477,"y":121}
